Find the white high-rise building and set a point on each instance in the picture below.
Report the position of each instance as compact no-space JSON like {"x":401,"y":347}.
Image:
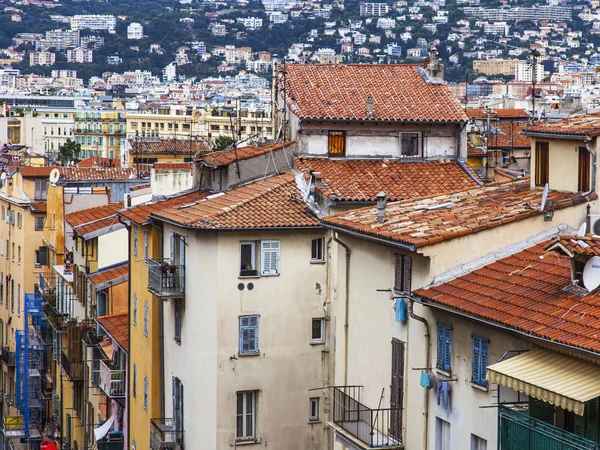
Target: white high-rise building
{"x":170,"y":72}
{"x":374,"y":9}
{"x":524,"y":72}
{"x":94,"y":22}
{"x":135,"y":31}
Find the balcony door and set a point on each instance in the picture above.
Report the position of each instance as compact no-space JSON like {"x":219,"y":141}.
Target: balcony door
{"x":397,"y":389}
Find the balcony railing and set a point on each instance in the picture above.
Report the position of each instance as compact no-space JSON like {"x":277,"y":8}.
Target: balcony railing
{"x":164,"y":436}
{"x":54,"y":318}
{"x":165,"y":279}
{"x":377,"y":428}
{"x":112,"y":441}
{"x":73,"y":369}
{"x":8,"y":357}
{"x":519,"y":431}
{"x":111,"y":381}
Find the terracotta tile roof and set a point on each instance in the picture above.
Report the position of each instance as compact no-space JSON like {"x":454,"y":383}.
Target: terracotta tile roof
{"x":140,"y":214}
{"x":340,"y":91}
{"x":472,"y":150}
{"x":418,"y":223}
{"x":509,"y":136}
{"x":96,"y":161}
{"x":512,"y":175}
{"x":225,"y":158}
{"x":39,"y":207}
{"x":168,"y":146}
{"x":35,"y":172}
{"x":97,"y":173}
{"x":526,"y":292}
{"x":360,"y":180}
{"x":584,"y":125}
{"x":578,"y":245}
{"x":499,"y":113}
{"x":274,"y":202}
{"x":93,"y":220}
{"x":172,"y":166}
{"x":117,"y":326}
{"x":139,"y":187}
{"x":114,"y":275}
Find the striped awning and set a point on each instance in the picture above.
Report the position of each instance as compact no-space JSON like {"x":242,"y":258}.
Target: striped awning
{"x":551,"y":377}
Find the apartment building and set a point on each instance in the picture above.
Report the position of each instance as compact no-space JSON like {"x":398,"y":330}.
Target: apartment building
{"x":80,"y":55}
{"x":42,"y":59}
{"x":135,"y":31}
{"x":495,"y":66}
{"x":99,"y":132}
{"x":94,"y":22}
{"x":371,"y":9}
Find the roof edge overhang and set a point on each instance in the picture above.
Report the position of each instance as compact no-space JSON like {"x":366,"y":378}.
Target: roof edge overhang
{"x":381,"y":121}
{"x":101,"y":232}
{"x":409,"y":247}
{"x":567,"y":136}
{"x":113,"y":338}
{"x":191,"y":227}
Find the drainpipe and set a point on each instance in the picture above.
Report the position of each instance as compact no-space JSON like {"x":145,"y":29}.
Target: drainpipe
{"x":591,"y":152}
{"x":347,"y":309}
{"x":427,"y":351}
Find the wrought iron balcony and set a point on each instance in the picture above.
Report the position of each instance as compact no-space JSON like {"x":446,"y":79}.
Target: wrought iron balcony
{"x":166,"y":279}
{"x":111,"y":381}
{"x":54,"y":318}
{"x":8,"y":357}
{"x":73,"y":369}
{"x":376,"y":428}
{"x":164,"y":436}
{"x":519,"y":431}
{"x":112,"y":441}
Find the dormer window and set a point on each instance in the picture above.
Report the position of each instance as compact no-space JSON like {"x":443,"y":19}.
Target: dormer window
{"x":542,"y":163}
{"x":410,"y":144}
{"x":336,"y":145}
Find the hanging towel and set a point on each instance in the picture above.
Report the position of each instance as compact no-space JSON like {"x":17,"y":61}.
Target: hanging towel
{"x":425,"y":380}
{"x":400,"y":310}
{"x":443,"y":390}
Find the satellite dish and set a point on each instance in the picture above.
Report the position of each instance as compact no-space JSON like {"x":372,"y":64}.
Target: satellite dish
{"x":582,"y":229}
{"x":544,"y":198}
{"x":3,"y":176}
{"x":54,"y":176}
{"x":591,"y":273}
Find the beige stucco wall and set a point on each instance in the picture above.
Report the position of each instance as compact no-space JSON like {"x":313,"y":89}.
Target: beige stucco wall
{"x":113,"y":248}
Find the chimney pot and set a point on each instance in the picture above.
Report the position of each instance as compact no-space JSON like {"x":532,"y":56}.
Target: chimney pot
{"x":381,"y":204}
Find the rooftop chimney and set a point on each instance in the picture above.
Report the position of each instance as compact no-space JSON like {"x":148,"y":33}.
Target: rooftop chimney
{"x":381,"y":203}
{"x":434,"y":69}
{"x":369,"y":106}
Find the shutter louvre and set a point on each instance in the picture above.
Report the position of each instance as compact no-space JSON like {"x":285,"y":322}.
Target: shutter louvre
{"x":249,"y":334}
{"x":270,"y":257}
{"x":476,"y":359}
{"x":591,"y":420}
{"x":398,"y":274}
{"x":440,"y":346}
{"x":407,"y":272}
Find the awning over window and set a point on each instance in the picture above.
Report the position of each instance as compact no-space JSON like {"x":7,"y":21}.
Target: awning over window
{"x":551,"y":377}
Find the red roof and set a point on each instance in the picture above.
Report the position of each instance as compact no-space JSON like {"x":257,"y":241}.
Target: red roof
{"x":172,"y":166}
{"x":117,"y":326}
{"x":509,"y":136}
{"x":94,"y":219}
{"x":167,"y":146}
{"x":473,"y":150}
{"x":526,"y":292}
{"x":499,"y":113}
{"x":418,"y":223}
{"x":583,"y":125}
{"x":223,"y":159}
{"x":340,"y":91}
{"x":35,"y":172}
{"x":38,"y":207}
{"x":96,"y":161}
{"x":140,"y":214}
{"x":274,"y":202}
{"x":97,"y":173}
{"x":139,"y":187}
{"x":112,"y":275}
{"x":360,"y":180}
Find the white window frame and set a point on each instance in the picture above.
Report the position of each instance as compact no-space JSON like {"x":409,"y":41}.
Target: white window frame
{"x":270,"y":272}
{"x":314,"y":409}
{"x":246,"y":434}
{"x":321,"y":340}
{"x":478,"y":443}
{"x":321,"y":243}
{"x":252,"y":245}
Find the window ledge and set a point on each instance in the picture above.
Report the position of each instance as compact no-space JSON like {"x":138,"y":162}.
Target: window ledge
{"x":269,"y":274}
{"x":317,"y":261}
{"x":239,"y":442}
{"x":317,"y":342}
{"x":246,"y":355}
{"x":248,"y":276}
{"x":480,"y":387}
{"x":313,"y":422}
{"x":446,"y":373}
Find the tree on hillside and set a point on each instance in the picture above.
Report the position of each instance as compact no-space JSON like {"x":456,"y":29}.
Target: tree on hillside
{"x":69,"y":151}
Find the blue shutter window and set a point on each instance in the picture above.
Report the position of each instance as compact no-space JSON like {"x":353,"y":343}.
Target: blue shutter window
{"x":248,"y":335}
{"x":444,"y":347}
{"x":480,"y":360}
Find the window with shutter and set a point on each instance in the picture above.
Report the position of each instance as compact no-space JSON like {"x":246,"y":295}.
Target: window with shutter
{"x":178,"y":405}
{"x":249,"y":335}
{"x":336,"y":145}
{"x":542,"y":163}
{"x":480,"y":360}
{"x":145,"y":244}
{"x":403,"y":274}
{"x":135,"y":230}
{"x":134,"y":383}
{"x":146,"y":319}
{"x":444,"y":347}
{"x":269,"y":258}
{"x":177,"y":312}
{"x":145,"y":393}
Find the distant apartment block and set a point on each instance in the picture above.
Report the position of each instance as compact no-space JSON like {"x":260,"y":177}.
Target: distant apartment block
{"x":369,"y":9}
{"x":251,"y":23}
{"x":525,"y":72}
{"x":94,"y":22}
{"x":495,"y":66}
{"x":64,"y":73}
{"x":500,"y":28}
{"x":92,"y":42}
{"x":235,"y":55}
{"x":135,"y":31}
{"x":218,"y":29}
{"x":42,"y":59}
{"x":386,"y":24}
{"x":554,"y":13}
{"x":278,"y":17}
{"x":80,"y":55}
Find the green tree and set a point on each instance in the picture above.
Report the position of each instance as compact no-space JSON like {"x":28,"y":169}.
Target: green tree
{"x":69,"y":151}
{"x":222,"y":142}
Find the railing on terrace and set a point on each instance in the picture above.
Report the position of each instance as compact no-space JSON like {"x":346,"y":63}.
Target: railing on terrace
{"x":376,"y":428}
{"x":164,"y":436}
{"x":519,"y":431}
{"x":166,"y":279}
{"x":73,"y":369}
{"x":111,"y":381}
{"x":8,"y":357}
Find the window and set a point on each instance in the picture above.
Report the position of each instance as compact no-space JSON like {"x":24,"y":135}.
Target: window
{"x":3,"y":212}
{"x":19,"y":220}
{"x":269,"y":263}
{"x":444,"y":347}
{"x":246,"y":415}
{"x":41,"y":189}
{"x":19,"y":254}
{"x":134,"y":383}
{"x":39,"y":224}
{"x":336,"y":145}
{"x":314,"y":410}
{"x":133,"y":444}
{"x":134,"y":320}
{"x":480,"y":360}
{"x":248,"y":259}
{"x":145,"y":244}
{"x":442,"y":434}
{"x":410,"y":144}
{"x":318,"y":331}
{"x":2,"y":246}
{"x":542,"y":163}
{"x":12,"y":251}
{"x":316,"y":249}
{"x":12,"y":295}
{"x":145,"y":393}
{"x":403,"y":274}
{"x":18,"y":299}
{"x":249,"y":335}
{"x":146,"y":319}
{"x":135,"y":240}
{"x":583,"y":180}
{"x":478,"y":443}
{"x":177,"y":312}
{"x":177,"y":404}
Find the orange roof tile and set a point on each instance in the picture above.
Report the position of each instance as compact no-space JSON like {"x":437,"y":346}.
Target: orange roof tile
{"x":578,"y":245}
{"x":472,"y":150}
{"x":167,"y":146}
{"x":360,"y":180}
{"x":112,"y":275}
{"x":96,"y":161}
{"x":499,"y":113}
{"x":117,"y":326}
{"x":35,"y":172}
{"x":509,"y":136}
{"x":140,"y":214}
{"x":274,"y":202}
{"x":172,"y":166}
{"x":512,"y":175}
{"x":94,"y":219}
{"x":418,"y":223}
{"x":526,"y":292}
{"x":39,"y":207}
{"x":97,"y":173}
{"x":139,"y":187}
{"x":340,"y":91}
{"x":583,"y":125}
{"x":225,"y":158}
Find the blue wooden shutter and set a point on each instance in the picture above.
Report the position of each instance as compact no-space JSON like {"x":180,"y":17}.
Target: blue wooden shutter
{"x":172,"y":248}
{"x":484,"y":361}
{"x":444,"y":358}
{"x":440,"y":346}
{"x":476,"y":360}
{"x":249,"y":334}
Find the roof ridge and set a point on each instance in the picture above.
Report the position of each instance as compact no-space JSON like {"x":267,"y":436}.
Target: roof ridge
{"x":107,"y":316}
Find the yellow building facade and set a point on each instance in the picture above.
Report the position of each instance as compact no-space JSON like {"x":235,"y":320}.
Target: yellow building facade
{"x":99,"y":132}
